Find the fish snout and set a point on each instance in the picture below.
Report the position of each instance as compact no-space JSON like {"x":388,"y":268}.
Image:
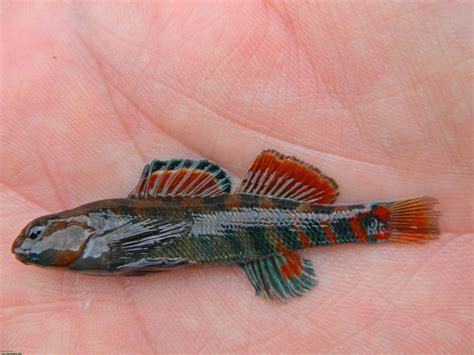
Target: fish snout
{"x":18,"y":249}
{"x":21,"y":254}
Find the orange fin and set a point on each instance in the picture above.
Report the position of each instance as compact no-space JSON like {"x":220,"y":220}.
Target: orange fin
{"x":181,"y":177}
{"x":409,"y":221}
{"x":277,"y":175}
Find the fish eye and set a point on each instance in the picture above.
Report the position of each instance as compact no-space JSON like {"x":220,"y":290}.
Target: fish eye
{"x":35,"y":232}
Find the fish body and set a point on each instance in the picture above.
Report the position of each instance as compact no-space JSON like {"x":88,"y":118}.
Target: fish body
{"x":182,"y":212}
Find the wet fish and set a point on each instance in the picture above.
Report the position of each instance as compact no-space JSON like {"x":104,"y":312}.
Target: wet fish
{"x":182,"y":212}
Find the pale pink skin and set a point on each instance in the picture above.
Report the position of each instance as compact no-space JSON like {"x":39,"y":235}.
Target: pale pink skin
{"x":377,"y":95}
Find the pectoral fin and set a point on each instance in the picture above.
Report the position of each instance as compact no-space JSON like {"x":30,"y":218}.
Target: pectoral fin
{"x":281,"y":278}
{"x":147,"y":265}
{"x":136,"y":241}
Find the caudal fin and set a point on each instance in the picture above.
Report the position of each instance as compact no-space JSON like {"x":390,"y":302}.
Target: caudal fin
{"x":410,"y":221}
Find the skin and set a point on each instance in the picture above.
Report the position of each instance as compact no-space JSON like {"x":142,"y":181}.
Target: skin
{"x":378,"y":95}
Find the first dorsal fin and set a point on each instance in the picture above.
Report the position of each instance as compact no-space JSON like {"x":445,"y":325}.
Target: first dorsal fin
{"x":278,"y":175}
{"x":181,"y":177}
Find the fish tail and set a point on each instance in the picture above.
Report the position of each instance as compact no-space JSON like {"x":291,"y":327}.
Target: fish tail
{"x":407,"y":221}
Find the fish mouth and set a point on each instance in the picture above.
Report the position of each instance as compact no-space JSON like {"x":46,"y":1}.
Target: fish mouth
{"x":20,"y":254}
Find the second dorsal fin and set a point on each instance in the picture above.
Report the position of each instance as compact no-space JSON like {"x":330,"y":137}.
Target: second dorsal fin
{"x":181,"y":177}
{"x":278,"y":175}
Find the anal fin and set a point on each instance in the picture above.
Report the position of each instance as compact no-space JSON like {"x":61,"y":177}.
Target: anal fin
{"x":282,"y":277}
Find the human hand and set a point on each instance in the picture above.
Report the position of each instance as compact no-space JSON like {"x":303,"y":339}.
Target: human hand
{"x":374,"y":94}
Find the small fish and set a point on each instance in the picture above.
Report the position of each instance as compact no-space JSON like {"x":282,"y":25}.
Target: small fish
{"x":182,"y":212}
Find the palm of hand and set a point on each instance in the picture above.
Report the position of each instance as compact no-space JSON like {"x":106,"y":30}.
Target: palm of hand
{"x":370,"y":96}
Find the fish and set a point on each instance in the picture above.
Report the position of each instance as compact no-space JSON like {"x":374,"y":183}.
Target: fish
{"x":182,"y":212}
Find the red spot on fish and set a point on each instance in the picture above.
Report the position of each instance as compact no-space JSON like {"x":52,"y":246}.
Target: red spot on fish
{"x":264,"y":202}
{"x":329,"y":234}
{"x":382,"y":235}
{"x":295,"y":262}
{"x":358,"y":230}
{"x":304,"y":239}
{"x":293,"y":266}
{"x":285,"y":271}
{"x":382,"y":213}
{"x":281,"y":248}
{"x":233,"y":201}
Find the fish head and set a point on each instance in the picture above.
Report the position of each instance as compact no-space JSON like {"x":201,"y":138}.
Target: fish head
{"x":53,"y":240}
